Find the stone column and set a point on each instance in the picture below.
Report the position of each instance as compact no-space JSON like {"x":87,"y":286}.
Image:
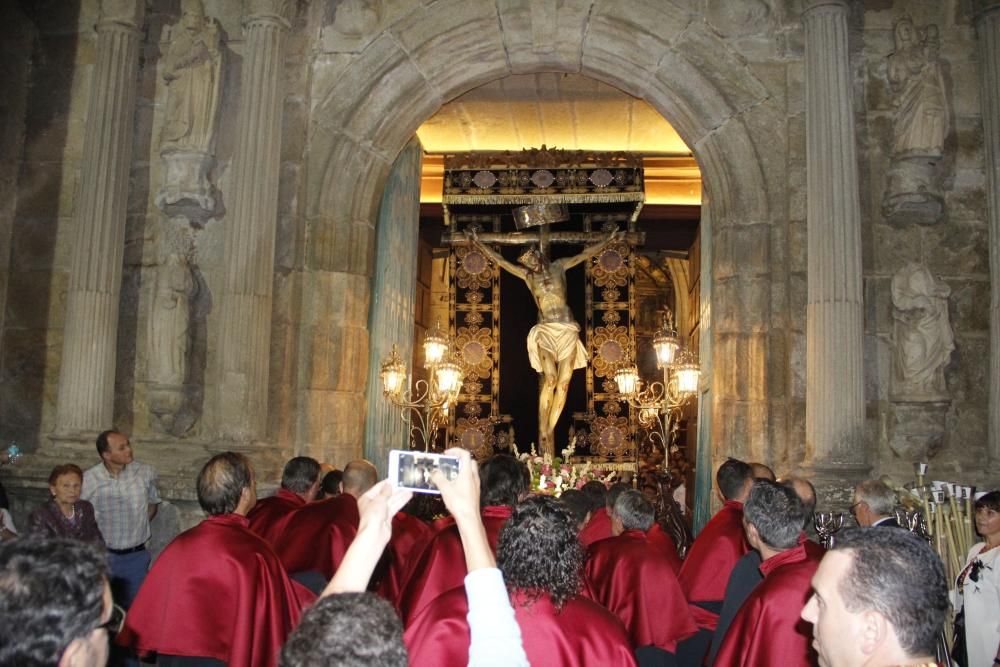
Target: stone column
{"x":390,"y":318}
{"x":87,"y":372}
{"x":245,"y":332}
{"x":835,"y":409}
{"x":988,"y":32}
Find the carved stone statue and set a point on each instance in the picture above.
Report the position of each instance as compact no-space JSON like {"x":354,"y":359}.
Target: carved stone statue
{"x":554,"y":347}
{"x":922,"y":336}
{"x":192,"y":70}
{"x":168,"y":335}
{"x":920,"y":123}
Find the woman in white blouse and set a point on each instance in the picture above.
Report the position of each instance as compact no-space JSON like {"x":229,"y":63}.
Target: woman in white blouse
{"x":979,"y":587}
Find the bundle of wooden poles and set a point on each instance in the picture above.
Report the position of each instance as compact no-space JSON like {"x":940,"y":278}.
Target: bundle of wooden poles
{"x":942,"y":513}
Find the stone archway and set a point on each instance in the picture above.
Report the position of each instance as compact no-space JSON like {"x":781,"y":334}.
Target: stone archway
{"x":373,"y":105}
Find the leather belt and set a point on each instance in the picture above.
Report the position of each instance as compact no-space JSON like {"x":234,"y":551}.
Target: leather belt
{"x":132,"y":550}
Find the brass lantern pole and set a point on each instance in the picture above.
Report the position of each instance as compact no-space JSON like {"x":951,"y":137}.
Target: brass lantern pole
{"x":660,"y":405}
{"x":428,"y":401}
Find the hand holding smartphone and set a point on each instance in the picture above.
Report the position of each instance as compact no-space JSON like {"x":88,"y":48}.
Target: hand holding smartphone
{"x":412,"y":470}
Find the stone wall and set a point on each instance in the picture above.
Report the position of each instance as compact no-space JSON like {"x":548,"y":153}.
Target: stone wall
{"x":356,"y":79}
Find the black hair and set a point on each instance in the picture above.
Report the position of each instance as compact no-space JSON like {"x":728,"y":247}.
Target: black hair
{"x":634,"y":511}
{"x":300,"y":474}
{"x":990,"y":500}
{"x":51,"y":592}
{"x":221,"y":482}
{"x":330,"y":486}
{"x":102,"y":440}
{"x":596,"y":491}
{"x":538,"y":550}
{"x":881,"y":578}
{"x":776,"y":511}
{"x":503,"y":480}
{"x":616,"y":490}
{"x":732,"y":478}
{"x":576,"y":503}
{"x":348,"y":630}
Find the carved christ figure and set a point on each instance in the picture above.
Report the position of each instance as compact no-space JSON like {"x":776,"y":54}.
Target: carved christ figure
{"x":554,"y":347}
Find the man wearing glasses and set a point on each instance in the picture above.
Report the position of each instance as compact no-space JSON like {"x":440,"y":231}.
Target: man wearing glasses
{"x":873,"y":504}
{"x":55,"y":603}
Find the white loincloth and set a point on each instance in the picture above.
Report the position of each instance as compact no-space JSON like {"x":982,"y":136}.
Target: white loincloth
{"x":561,"y":339}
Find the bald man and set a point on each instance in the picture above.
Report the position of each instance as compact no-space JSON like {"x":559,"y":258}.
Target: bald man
{"x":761,"y":471}
{"x":317,"y":535}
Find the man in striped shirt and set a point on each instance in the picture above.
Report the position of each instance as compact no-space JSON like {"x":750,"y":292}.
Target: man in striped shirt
{"x":123,"y":493}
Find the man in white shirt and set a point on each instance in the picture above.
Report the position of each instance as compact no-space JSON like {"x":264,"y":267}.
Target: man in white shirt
{"x":123,"y":493}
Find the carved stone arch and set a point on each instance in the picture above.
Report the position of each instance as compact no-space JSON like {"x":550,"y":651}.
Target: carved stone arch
{"x":372,"y":105}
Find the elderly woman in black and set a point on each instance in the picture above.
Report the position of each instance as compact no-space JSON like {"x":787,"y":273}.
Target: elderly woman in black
{"x":65,"y":515}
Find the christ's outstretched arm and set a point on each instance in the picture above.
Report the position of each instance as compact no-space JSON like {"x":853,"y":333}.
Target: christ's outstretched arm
{"x":590,"y":251}
{"x":518,"y":271}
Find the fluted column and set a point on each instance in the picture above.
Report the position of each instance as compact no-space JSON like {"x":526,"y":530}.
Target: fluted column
{"x":245,"y":332}
{"x":87,"y":372}
{"x":390,"y":318}
{"x":834,"y":371}
{"x":988,"y":33}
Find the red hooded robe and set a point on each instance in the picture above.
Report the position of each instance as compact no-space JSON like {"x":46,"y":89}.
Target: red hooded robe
{"x":409,"y":536}
{"x":269,"y":516}
{"x":662,"y":540}
{"x":217,"y":591}
{"x":441,"y":565}
{"x":598,"y":528}
{"x":582,"y":634}
{"x":317,"y":535}
{"x":634,"y":580}
{"x":711,"y":559}
{"x":767,"y":631}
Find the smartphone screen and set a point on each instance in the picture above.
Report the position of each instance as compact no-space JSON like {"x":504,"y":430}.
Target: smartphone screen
{"x":412,"y":470}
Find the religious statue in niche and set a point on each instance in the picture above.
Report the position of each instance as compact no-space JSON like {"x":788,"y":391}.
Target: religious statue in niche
{"x":922,"y":336}
{"x":169,"y":341}
{"x":920,"y":124}
{"x":192,"y":70}
{"x":554,"y":347}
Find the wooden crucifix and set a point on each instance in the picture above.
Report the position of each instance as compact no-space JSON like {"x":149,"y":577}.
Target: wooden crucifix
{"x":554,"y":347}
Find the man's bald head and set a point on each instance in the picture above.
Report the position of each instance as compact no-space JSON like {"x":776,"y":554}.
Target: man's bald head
{"x":359,"y":476}
{"x":761,"y":471}
{"x":806,"y":492}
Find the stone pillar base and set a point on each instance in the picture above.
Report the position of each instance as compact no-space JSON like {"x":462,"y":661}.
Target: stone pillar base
{"x":916,"y":431}
{"x":910,"y":193}
{"x":186,"y":189}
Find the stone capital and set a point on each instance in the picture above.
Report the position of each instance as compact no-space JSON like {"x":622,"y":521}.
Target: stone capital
{"x":278,"y":12}
{"x":124,"y":13}
{"x":810,"y":6}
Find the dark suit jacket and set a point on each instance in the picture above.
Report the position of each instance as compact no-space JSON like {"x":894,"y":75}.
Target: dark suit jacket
{"x":888,"y":522}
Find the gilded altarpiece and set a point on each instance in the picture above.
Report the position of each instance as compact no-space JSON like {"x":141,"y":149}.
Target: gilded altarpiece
{"x":607,"y":430}
{"x":474,"y":323}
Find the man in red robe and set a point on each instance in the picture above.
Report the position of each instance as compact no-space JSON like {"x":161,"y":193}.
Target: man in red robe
{"x":767,"y":630}
{"x":441,"y":566}
{"x":299,"y":485}
{"x":633,"y":579}
{"x":218,"y":590}
{"x":661,"y":539}
{"x":410,"y":535}
{"x":711,"y":558}
{"x":541,"y":559}
{"x":317,"y":535}
{"x":599,"y":526}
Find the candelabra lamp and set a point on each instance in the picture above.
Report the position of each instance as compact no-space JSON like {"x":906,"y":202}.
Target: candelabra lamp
{"x":426,"y":404}
{"x":660,"y":405}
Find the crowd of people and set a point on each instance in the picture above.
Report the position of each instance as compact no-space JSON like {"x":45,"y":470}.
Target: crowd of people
{"x":337,"y":568}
